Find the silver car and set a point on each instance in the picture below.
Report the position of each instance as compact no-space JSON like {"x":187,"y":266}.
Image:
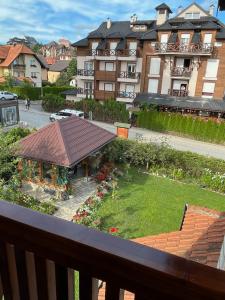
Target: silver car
{"x":4,"y":95}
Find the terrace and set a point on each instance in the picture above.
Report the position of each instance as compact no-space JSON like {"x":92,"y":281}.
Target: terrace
{"x":40,"y":254}
{"x":191,"y":49}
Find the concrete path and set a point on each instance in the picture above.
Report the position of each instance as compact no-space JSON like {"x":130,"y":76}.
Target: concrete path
{"x":37,"y":118}
{"x":82,"y":191}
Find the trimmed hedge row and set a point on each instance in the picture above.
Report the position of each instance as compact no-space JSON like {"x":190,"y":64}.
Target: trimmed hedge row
{"x":34,"y":93}
{"x":197,"y":128}
{"x":108,"y":111}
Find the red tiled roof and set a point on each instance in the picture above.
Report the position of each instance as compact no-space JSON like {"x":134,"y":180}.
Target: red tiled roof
{"x":200,"y":239}
{"x":4,"y":51}
{"x":13,"y":52}
{"x":65,"y":142}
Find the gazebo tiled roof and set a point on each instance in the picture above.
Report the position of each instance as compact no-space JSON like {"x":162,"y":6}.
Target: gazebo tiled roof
{"x":65,"y":142}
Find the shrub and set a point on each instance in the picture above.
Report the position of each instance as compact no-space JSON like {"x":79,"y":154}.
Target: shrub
{"x":52,"y":102}
{"x":201,"y":129}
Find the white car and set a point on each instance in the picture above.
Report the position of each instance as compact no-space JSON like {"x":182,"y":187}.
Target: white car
{"x":4,"y":95}
{"x":65,"y":113}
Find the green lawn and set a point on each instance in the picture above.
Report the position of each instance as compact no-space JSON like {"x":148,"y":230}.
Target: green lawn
{"x":148,"y":205}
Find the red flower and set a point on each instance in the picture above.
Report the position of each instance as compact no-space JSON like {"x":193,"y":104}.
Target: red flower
{"x":113,"y":230}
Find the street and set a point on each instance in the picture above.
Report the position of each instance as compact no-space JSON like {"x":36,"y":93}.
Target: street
{"x":37,"y":118}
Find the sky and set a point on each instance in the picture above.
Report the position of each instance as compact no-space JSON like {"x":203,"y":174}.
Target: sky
{"x":48,"y":20}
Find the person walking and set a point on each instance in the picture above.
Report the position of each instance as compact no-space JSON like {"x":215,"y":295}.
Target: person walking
{"x":28,"y":103}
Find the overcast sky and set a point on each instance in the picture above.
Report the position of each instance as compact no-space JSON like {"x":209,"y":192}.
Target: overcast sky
{"x":48,"y":20}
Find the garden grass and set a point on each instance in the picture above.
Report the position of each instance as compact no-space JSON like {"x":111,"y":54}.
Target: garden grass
{"x":147,"y":205}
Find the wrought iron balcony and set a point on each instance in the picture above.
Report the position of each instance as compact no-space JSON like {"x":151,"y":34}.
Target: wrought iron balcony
{"x":109,"y":52}
{"x":200,"y":48}
{"x":181,"y":72}
{"x":124,"y":94}
{"x":87,"y":92}
{"x":39,"y":254}
{"x":129,"y":75}
{"x":83,"y":72}
{"x":178,"y":93}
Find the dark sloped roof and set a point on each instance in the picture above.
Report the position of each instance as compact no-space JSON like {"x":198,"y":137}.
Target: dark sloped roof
{"x":121,"y":45}
{"x":150,"y":35}
{"x":43,"y":61}
{"x":196,"y":38}
{"x":65,"y":142}
{"x":163,"y":6}
{"x":184,"y":102}
{"x":59,"y":66}
{"x":101,"y":45}
{"x":81,"y":43}
{"x":221,"y":34}
{"x":173,"y":38}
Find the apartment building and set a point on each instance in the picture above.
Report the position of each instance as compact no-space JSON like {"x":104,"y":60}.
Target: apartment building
{"x":177,"y":56}
{"x":21,"y":63}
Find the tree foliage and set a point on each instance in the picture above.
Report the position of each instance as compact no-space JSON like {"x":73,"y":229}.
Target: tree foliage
{"x":66,"y":76}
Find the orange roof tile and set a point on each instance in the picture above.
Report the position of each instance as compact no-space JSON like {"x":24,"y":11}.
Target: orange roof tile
{"x":4,"y":51}
{"x":200,"y":239}
{"x":13,"y":52}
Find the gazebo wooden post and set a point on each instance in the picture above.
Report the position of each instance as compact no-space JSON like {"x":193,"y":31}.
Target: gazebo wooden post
{"x":54,"y":175}
{"x":40,"y":170}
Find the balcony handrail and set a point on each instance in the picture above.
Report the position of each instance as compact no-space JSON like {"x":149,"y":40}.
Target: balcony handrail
{"x":125,"y":94}
{"x":178,"y":92}
{"x":130,"y":75}
{"x":113,"y":52}
{"x":85,"y":72}
{"x":85,"y":91}
{"x":204,"y":48}
{"x":181,"y":71}
{"x":122,"y":264}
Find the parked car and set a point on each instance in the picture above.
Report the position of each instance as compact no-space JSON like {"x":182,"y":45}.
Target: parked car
{"x":4,"y":95}
{"x":65,"y":113}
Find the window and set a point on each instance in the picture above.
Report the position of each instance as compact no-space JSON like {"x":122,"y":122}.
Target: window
{"x":88,"y":85}
{"x":88,"y":65}
{"x":9,"y":115}
{"x":33,"y":75}
{"x":155,"y":66}
{"x":130,"y":88}
{"x":109,"y":66}
{"x":108,"y":87}
{"x":185,"y":38}
{"x":94,"y":45}
{"x":153,"y":86}
{"x":192,"y":15}
{"x":208,"y":89}
{"x":164,"y":38}
{"x":208,"y":38}
{"x":133,"y":45}
{"x":212,"y":68}
{"x":162,"y":11}
{"x":113,"y":45}
{"x":131,"y":68}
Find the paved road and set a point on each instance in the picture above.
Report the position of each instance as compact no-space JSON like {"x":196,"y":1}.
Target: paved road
{"x":37,"y":118}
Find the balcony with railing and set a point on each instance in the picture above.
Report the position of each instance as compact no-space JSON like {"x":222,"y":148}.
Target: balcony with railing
{"x":104,"y":95}
{"x":178,"y":93}
{"x":112,"y":54}
{"x":40,"y":254}
{"x":181,"y":72}
{"x":85,"y":93}
{"x":85,"y":74}
{"x":129,"y":77}
{"x":192,"y":49}
{"x":105,"y":75}
{"x":124,"y":96}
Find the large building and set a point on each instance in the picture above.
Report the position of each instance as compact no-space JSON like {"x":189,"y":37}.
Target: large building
{"x":179,"y":56}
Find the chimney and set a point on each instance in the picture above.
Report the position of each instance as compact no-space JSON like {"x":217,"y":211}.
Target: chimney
{"x":163,"y":12}
{"x":135,"y":18}
{"x":109,"y":23}
{"x":211,"y":9}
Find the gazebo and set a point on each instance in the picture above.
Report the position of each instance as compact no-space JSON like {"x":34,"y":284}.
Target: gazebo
{"x":68,"y":148}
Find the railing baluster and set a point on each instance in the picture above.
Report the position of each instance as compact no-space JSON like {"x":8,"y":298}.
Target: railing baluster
{"x":64,"y":283}
{"x":21,"y":267}
{"x":4,"y":270}
{"x":31,"y":276}
{"x":42,"y":278}
{"x":85,"y":286}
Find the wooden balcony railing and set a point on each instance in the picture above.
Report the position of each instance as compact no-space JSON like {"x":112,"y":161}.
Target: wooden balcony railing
{"x":83,"y":72}
{"x":112,"y":52}
{"x":105,"y":75}
{"x":183,"y":48}
{"x":39,"y":254}
{"x":130,"y":75}
{"x":124,"y":94}
{"x":181,"y":72}
{"x":178,"y":93}
{"x":104,"y":95}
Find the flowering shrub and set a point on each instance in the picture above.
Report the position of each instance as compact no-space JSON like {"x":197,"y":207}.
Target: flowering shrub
{"x":214,"y":181}
{"x":113,"y":231}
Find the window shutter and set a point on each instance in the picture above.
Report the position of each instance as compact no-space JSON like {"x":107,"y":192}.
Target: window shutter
{"x":153,"y":86}
{"x":155,"y":66}
{"x":164,"y":38}
{"x":212,"y":68}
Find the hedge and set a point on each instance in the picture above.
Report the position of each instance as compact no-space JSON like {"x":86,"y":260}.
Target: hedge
{"x":197,"y":128}
{"x":34,"y":93}
{"x":109,"y":111}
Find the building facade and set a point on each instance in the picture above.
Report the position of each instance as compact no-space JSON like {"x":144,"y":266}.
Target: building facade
{"x":180,"y":56}
{"x":21,"y":63}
